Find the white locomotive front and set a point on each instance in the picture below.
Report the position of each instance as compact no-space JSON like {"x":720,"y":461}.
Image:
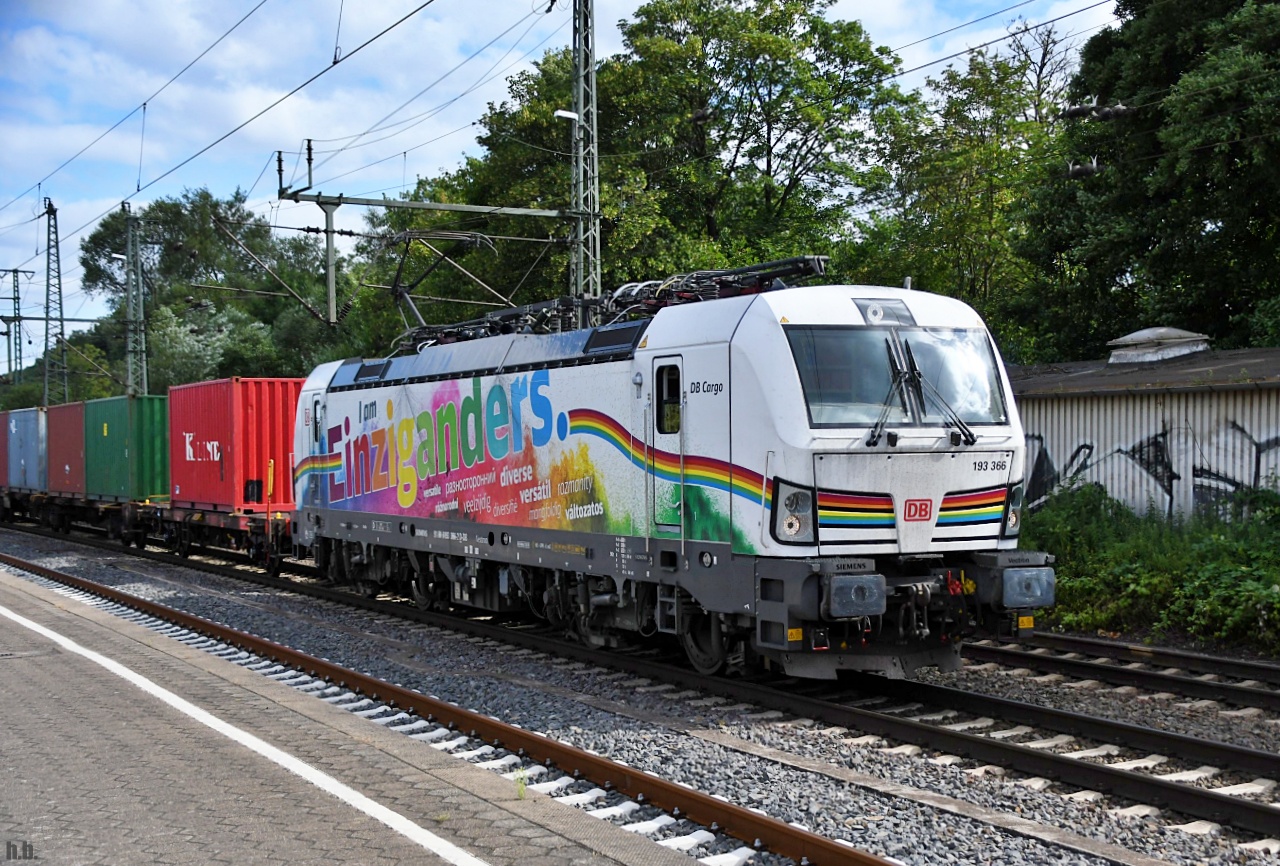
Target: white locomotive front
{"x":816,"y":479}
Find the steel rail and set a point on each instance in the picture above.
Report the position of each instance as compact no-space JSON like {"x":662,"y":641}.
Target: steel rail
{"x":1163,"y":656}
{"x":1239,"y":695}
{"x":737,"y":821}
{"x":1196,"y":802}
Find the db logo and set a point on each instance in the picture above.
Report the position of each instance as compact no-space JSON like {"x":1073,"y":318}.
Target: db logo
{"x":918,"y":509}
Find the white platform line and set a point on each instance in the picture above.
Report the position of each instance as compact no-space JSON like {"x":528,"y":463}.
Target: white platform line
{"x":441,"y":847}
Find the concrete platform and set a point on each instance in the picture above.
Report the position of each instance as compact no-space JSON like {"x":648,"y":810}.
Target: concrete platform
{"x":96,"y":770}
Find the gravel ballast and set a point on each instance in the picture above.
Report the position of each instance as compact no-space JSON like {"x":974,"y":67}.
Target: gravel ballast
{"x":648,"y":731}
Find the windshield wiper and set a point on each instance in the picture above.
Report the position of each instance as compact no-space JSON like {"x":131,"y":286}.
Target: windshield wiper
{"x":920,"y":384}
{"x":899,"y":376}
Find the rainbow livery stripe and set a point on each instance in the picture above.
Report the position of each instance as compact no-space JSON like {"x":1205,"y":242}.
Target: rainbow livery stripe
{"x":854,"y":510}
{"x":317,"y":463}
{"x":699,"y":471}
{"x":973,"y":507}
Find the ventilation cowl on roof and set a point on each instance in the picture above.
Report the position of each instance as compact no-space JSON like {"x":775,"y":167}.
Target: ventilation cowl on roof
{"x":1156,"y":344}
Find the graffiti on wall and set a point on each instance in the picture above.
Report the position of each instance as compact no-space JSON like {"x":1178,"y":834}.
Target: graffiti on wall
{"x":1177,"y":469}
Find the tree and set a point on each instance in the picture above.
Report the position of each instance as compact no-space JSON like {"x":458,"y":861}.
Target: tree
{"x":945,"y":208}
{"x":752,"y":116}
{"x":729,"y":132}
{"x":1179,"y":229}
{"x":205,"y":266}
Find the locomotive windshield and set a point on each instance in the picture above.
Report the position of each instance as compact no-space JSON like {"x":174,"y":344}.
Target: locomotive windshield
{"x":850,"y":374}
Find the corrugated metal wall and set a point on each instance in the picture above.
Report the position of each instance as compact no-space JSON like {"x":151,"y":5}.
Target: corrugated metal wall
{"x":1172,"y":452}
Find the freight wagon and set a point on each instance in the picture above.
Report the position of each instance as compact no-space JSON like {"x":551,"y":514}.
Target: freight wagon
{"x":208,"y":465}
{"x":101,"y":459}
{"x":28,"y":451}
{"x":814,"y":479}
{"x":230,"y":446}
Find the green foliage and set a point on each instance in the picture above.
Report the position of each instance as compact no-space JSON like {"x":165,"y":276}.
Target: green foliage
{"x":954,"y":167}
{"x":729,"y":132}
{"x":219,"y":301}
{"x":1180,"y":227}
{"x":736,"y":131}
{"x":1206,"y":578}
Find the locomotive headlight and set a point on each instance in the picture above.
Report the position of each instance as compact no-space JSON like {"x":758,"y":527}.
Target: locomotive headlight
{"x":1013,"y":511}
{"x":793,"y":517}
{"x":799,"y":501}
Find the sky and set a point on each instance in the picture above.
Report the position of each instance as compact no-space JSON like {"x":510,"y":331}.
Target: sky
{"x":401,"y":101}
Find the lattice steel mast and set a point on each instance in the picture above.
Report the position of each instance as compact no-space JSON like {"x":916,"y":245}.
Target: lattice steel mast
{"x":55,"y":333}
{"x":584,"y":269}
{"x":14,"y":331}
{"x":135,"y":339}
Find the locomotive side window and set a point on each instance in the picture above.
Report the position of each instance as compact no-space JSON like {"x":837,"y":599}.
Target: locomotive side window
{"x":669,"y":399}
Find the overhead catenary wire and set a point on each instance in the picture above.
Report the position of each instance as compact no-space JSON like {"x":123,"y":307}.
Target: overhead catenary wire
{"x":964,"y":25}
{"x":142,"y":140}
{"x":937,"y":178}
{"x":439,"y":79}
{"x":418,"y":118}
{"x":250,"y":120}
{"x":890,"y":76}
{"x":337,"y":49}
{"x":668,"y":166}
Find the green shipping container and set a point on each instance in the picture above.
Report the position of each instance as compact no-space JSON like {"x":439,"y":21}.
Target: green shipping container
{"x":126,"y":449}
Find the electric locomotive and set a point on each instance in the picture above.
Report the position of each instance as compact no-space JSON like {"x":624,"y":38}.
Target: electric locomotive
{"x":812,"y":479}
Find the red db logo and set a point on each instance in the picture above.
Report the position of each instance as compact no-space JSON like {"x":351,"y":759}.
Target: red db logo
{"x":918,"y":509}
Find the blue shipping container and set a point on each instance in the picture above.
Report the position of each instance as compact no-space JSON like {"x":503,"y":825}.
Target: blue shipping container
{"x":28,"y":450}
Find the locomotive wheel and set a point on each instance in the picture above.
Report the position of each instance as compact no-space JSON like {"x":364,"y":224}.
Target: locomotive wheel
{"x":424,"y":594}
{"x":704,"y":643}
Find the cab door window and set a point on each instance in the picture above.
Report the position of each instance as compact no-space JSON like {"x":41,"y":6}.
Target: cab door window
{"x":669,"y":399}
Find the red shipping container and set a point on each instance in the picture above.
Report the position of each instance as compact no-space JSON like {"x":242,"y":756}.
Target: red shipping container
{"x":66,"y":449}
{"x":231,"y":444}
{"x":4,"y":449}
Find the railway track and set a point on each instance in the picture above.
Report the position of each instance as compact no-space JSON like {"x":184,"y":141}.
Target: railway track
{"x":1158,"y":671}
{"x":1038,"y":750}
{"x":640,"y":801}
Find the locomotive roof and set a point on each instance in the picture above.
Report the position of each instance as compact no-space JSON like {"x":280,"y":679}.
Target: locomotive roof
{"x":504,"y":352}
{"x":711,"y":321}
{"x":850,"y":305}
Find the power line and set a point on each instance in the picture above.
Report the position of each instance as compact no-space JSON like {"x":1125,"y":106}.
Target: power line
{"x":962,"y":26}
{"x":431,"y":112}
{"x":141,"y":107}
{"x":418,"y":118}
{"x":379,"y":127}
{"x":241,"y":126}
{"x":442,"y":77}
{"x":991,"y":42}
{"x":396,"y":155}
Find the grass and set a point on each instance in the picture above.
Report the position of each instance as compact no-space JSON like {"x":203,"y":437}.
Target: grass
{"x":1211,"y":578}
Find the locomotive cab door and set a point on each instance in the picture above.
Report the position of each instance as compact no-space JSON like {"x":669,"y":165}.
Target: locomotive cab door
{"x":666,"y":440}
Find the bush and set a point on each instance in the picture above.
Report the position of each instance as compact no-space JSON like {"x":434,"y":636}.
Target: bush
{"x":1211,"y":577}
